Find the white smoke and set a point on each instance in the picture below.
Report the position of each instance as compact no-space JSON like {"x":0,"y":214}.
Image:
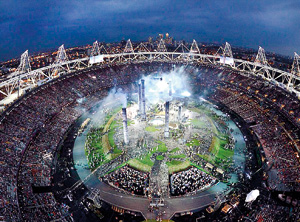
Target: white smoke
{"x":157,"y":85}
{"x":113,"y":100}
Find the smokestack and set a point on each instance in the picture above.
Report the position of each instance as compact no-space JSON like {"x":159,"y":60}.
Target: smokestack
{"x":179,"y":112}
{"x":167,"y":134}
{"x":170,"y":88}
{"x":140,"y":99}
{"x":143,"y":100}
{"x":125,"y":128}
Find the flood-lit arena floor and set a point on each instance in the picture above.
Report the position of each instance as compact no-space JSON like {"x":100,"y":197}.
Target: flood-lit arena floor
{"x":200,"y":135}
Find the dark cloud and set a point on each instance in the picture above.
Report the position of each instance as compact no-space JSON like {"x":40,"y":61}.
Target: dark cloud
{"x":42,"y":25}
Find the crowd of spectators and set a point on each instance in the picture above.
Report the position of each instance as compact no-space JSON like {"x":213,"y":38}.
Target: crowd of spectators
{"x":129,"y":179}
{"x":189,"y":181}
{"x":32,"y":128}
{"x":275,"y":128}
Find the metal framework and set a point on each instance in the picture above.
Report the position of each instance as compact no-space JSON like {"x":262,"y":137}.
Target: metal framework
{"x":261,"y":57}
{"x":95,"y":49}
{"x":296,"y":65}
{"x":290,"y":81}
{"x":128,"y":47}
{"x":24,"y":63}
{"x":194,"y":48}
{"x":225,"y":53}
{"x":161,"y":46}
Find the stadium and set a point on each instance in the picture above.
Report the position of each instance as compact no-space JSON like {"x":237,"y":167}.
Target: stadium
{"x":147,"y":132}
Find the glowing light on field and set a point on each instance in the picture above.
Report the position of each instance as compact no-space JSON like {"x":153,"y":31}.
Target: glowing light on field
{"x":186,"y":93}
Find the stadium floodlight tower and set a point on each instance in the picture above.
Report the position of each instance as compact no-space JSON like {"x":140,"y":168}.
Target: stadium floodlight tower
{"x":194,"y":48}
{"x":226,"y":55}
{"x":60,"y":60}
{"x":95,"y":49}
{"x":295,"y":71}
{"x":128,"y":47}
{"x":261,"y":58}
{"x":23,"y":67}
{"x":161,"y":46}
{"x":227,"y":50}
{"x":95,"y":55}
{"x":296,"y":65}
{"x":24,"y":63}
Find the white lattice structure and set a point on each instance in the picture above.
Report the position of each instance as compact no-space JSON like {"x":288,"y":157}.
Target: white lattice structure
{"x":24,"y":63}
{"x":194,"y":48}
{"x":128,"y":47}
{"x":95,"y":49}
{"x":62,"y":66}
{"x":161,"y":47}
{"x":261,"y":57}
{"x":296,"y":65}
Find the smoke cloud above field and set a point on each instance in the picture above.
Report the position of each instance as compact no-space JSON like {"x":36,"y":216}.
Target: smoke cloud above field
{"x":115,"y":98}
{"x":157,"y":85}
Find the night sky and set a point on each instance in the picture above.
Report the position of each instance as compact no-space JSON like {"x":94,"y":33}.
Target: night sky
{"x":40,"y":25}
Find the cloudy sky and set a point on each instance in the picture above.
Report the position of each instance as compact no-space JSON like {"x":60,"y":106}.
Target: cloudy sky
{"x":39,"y":25}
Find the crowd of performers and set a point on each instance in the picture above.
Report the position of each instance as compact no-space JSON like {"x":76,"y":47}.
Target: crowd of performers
{"x":129,"y":179}
{"x":190,"y":181}
{"x":137,"y":182}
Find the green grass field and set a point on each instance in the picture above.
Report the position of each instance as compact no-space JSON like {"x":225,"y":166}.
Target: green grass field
{"x":177,"y":156}
{"x":198,"y":123}
{"x":111,"y":133}
{"x":177,"y":165}
{"x":161,"y":147}
{"x":151,"y":129}
{"x":193,"y":142}
{"x":100,"y":146}
{"x":219,"y":155}
{"x":137,"y":164}
{"x":174,"y":150}
{"x":159,"y":157}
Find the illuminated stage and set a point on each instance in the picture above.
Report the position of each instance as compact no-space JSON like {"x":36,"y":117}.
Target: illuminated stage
{"x":194,"y":131}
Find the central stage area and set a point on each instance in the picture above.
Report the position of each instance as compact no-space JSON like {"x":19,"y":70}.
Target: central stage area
{"x":157,"y":149}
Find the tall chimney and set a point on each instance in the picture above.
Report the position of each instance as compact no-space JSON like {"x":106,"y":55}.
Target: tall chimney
{"x":179,"y":112}
{"x":140,"y":99}
{"x":167,"y":133}
{"x":170,"y":88}
{"x":125,"y":128}
{"x":143,"y":100}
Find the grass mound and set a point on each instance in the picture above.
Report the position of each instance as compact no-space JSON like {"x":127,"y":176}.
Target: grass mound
{"x":151,"y":129}
{"x":161,"y":147}
{"x":174,"y":150}
{"x":177,"y":156}
{"x":177,"y":165}
{"x":159,"y":157}
{"x":136,"y":164}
